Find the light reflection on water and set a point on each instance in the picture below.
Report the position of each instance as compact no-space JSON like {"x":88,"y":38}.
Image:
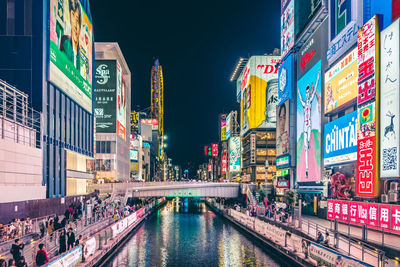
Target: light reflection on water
{"x":189,"y":236}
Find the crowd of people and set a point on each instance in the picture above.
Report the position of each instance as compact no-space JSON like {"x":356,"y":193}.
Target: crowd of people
{"x":16,"y":229}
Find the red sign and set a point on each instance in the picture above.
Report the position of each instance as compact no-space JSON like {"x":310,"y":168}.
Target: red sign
{"x":330,"y":209}
{"x":152,"y":122}
{"x":205,"y":150}
{"x":384,"y":216}
{"x":209,"y":167}
{"x":121,"y":130}
{"x":353,"y":214}
{"x":395,"y":223}
{"x":395,"y":9}
{"x":345,"y":211}
{"x":304,"y":59}
{"x":362,"y":213}
{"x":366,"y":167}
{"x":214,"y":150}
{"x":373,"y":215}
{"x":337,"y":209}
{"x":224,"y":162}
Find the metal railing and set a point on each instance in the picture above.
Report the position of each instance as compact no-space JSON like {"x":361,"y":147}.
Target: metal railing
{"x":19,"y":123}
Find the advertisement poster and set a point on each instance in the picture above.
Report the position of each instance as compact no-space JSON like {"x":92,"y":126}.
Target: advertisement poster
{"x":367,"y":154}
{"x":341,"y":82}
{"x":390,"y":98}
{"x":342,"y":182}
{"x":228,"y":126}
{"x":308,"y":162}
{"x":234,"y":154}
{"x":285,"y":75}
{"x":282,"y":129}
{"x":105,"y":96}
{"x":134,"y":122}
{"x":346,"y":18}
{"x":340,"y":144}
{"x":71,"y":51}
{"x":287,"y":26}
{"x":71,"y":258}
{"x":121,"y":103}
{"x":259,"y":89}
{"x":223,"y":127}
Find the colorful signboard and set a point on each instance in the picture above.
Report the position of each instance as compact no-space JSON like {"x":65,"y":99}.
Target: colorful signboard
{"x":374,"y":215}
{"x":121,"y":103}
{"x":283,"y":161}
{"x":105,"y":96}
{"x":340,"y":144}
{"x":282,"y":129}
{"x":214,"y":150}
{"x":308,"y":157}
{"x":234,"y":154}
{"x":346,"y":18}
{"x":367,"y":178}
{"x":71,"y":51}
{"x":228,"y":126}
{"x":205,"y":150}
{"x":259,"y":89}
{"x":134,"y":155}
{"x":287,"y":26}
{"x":285,"y":75}
{"x":341,"y":82}
{"x":282,"y":183}
{"x":253,"y":148}
{"x":152,"y":122}
{"x":389,"y":101}
{"x":224,"y":163}
{"x":134,"y":122}
{"x":223,"y":130}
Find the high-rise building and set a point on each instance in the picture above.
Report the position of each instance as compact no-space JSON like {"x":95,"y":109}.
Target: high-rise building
{"x":51,"y":60}
{"x":112,"y":110}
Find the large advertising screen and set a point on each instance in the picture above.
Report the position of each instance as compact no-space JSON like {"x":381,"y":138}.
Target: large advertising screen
{"x":285,"y":74}
{"x":308,"y":162}
{"x":390,"y":97}
{"x":121,"y":103}
{"x":105,"y":96}
{"x":259,"y":93}
{"x":341,"y":82}
{"x":282,"y":129}
{"x":71,"y":51}
{"x":287,"y":26}
{"x":346,"y":18}
{"x":367,"y":153}
{"x":340,"y":144}
{"x":305,"y":11}
{"x":234,"y":154}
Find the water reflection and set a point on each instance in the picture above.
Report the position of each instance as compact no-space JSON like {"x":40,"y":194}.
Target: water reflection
{"x":186,"y":233}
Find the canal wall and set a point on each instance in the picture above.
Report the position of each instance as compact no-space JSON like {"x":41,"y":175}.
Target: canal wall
{"x":97,"y":249}
{"x":297,"y":249}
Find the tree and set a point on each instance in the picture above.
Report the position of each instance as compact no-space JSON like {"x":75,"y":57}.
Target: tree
{"x":290,"y":197}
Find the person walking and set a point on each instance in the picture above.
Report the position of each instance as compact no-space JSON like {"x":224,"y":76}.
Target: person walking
{"x":16,"y":249}
{"x":70,"y":238}
{"x":41,"y":256}
{"x":11,"y":263}
{"x":63,"y":246}
{"x":3,"y":263}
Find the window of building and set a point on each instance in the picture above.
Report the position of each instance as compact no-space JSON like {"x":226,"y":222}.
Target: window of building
{"x":28,"y":17}
{"x":10,"y":17}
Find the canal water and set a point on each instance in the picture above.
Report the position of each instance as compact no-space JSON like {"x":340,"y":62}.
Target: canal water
{"x":189,"y":234}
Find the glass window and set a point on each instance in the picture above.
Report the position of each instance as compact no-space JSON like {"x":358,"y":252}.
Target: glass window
{"x":10,"y":17}
{"x":28,"y":17}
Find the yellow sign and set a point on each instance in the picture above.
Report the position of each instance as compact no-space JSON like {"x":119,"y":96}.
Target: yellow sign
{"x":341,"y":82}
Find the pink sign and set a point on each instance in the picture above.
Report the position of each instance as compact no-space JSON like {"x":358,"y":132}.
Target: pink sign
{"x":373,"y":215}
{"x":330,"y":209}
{"x":353,"y":212}
{"x":337,"y":209}
{"x":384,"y":216}
{"x":395,"y":212}
{"x":345,"y":211}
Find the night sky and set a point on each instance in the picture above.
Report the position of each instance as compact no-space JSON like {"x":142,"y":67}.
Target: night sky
{"x":198,"y":45}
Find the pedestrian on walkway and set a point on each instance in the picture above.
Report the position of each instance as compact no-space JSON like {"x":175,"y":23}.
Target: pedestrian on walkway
{"x":70,"y":238}
{"x":3,"y":263}
{"x":326,"y":242}
{"x":11,"y":263}
{"x":78,"y":240}
{"x":63,"y":246}
{"x":320,"y":238}
{"x":16,"y":249}
{"x":41,"y":256}
{"x":21,"y":262}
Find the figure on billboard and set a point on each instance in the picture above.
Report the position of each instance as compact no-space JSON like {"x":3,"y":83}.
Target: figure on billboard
{"x":282,"y":142}
{"x":330,"y":99}
{"x":390,"y":127}
{"x":306,"y":104}
{"x":70,"y":43}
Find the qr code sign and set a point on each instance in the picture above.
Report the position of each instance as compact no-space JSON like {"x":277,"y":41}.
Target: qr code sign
{"x":389,"y":159}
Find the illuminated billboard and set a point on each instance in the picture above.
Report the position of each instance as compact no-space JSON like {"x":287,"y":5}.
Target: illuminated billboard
{"x":228,"y":126}
{"x":121,"y":103}
{"x":346,"y":18}
{"x":389,"y":101}
{"x":152,"y":122}
{"x":259,"y":93}
{"x":340,"y":144}
{"x":105,"y":96}
{"x":287,"y":26}
{"x":71,"y":51}
{"x":282,"y":129}
{"x":234,"y":154}
{"x":308,"y":162}
{"x":341,"y":82}
{"x":134,"y":155}
{"x":285,"y":75}
{"x":305,"y":11}
{"x":367,"y":154}
{"x":134,"y":122}
{"x":214,"y":150}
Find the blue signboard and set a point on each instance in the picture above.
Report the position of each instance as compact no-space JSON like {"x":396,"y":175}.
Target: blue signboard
{"x":340,"y":144}
{"x":285,"y":75}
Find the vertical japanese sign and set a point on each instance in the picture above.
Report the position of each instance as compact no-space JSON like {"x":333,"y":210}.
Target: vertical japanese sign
{"x":205,"y":150}
{"x":224,"y":163}
{"x":214,"y":150}
{"x":390,"y":96}
{"x":253,"y":148}
{"x":368,"y":56}
{"x":287,"y":26}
